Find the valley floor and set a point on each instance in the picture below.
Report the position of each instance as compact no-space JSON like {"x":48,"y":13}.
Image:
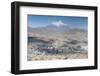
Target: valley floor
{"x":59,"y":57}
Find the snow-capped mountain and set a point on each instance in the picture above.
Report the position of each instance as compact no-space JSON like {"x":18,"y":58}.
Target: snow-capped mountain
{"x":55,"y":27}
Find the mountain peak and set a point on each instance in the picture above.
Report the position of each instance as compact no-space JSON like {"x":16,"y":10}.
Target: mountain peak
{"x":59,"y":23}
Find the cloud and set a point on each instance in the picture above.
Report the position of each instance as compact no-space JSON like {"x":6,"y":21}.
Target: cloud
{"x":59,"y":23}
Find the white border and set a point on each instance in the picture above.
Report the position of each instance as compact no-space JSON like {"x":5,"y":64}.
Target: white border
{"x":26,"y":65}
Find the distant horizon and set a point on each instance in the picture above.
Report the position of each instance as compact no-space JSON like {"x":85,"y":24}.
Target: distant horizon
{"x":35,"y":21}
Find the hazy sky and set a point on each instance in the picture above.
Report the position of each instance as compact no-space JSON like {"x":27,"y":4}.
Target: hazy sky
{"x":71,"y":21}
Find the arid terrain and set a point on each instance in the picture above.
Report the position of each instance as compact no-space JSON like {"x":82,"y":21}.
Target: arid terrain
{"x":49,"y":43}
